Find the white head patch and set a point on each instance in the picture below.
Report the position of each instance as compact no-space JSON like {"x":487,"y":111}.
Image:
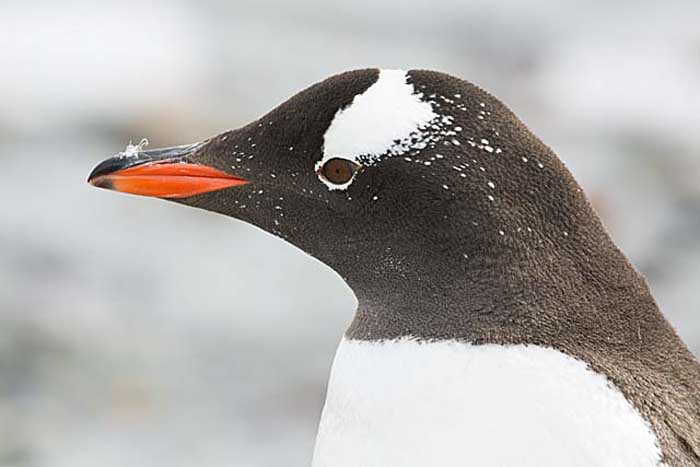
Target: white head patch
{"x":379,"y":121}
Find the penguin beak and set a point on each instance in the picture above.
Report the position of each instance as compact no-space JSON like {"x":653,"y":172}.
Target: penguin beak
{"x":163,"y":173}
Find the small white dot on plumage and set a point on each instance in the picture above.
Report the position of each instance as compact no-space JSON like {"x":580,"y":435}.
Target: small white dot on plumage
{"x":491,"y":198}
{"x":492,"y":185}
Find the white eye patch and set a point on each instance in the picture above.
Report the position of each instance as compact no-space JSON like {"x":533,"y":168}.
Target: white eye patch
{"x":379,"y":121}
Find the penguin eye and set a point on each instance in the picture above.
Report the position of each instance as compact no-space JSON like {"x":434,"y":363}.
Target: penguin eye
{"x":339,"y":171}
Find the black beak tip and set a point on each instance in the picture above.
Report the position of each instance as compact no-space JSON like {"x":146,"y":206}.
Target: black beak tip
{"x":101,"y":182}
{"x":111,"y":165}
{"x":104,"y":168}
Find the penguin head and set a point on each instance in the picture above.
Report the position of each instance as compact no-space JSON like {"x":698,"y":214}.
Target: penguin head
{"x":403,"y":173}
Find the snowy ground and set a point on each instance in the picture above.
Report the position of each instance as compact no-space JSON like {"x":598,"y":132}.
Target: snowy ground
{"x":136,"y":332}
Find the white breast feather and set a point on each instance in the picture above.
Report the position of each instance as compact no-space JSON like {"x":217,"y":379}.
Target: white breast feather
{"x":405,"y":403}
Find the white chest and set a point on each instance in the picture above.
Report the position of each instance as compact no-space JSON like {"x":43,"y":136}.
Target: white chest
{"x":404,"y":403}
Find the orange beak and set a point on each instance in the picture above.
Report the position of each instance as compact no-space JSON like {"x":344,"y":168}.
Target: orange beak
{"x":151,"y":174}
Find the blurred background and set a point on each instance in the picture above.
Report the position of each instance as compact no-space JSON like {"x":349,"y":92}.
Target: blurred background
{"x":137,"y":332}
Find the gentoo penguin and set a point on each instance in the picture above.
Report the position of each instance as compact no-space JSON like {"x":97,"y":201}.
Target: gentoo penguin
{"x":497,"y":322}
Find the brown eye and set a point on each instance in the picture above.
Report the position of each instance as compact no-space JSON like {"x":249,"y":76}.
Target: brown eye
{"x":338,"y":171}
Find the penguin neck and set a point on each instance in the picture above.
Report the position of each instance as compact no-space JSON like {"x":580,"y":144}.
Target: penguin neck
{"x":522,"y":286}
